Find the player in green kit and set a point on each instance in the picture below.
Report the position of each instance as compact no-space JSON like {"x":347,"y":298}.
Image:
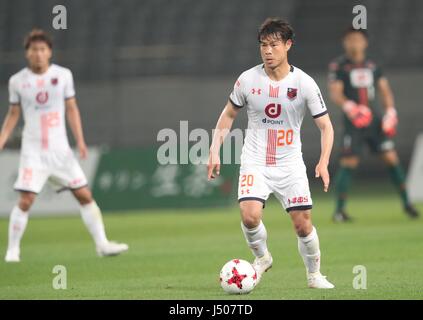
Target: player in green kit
{"x":354,"y":84}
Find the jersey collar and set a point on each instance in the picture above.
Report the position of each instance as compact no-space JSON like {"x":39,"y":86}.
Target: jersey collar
{"x":291,"y":71}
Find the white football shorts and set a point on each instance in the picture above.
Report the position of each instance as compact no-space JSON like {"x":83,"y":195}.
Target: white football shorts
{"x":289,"y":184}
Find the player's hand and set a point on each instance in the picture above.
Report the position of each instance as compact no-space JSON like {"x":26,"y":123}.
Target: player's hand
{"x":83,"y":150}
{"x":359,"y":114}
{"x":322,"y":172}
{"x":389,"y":122}
{"x":213,"y":166}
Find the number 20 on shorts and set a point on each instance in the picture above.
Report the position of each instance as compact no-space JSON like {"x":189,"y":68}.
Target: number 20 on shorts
{"x":247,"y":180}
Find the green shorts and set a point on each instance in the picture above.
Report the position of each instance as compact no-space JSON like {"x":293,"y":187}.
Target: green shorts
{"x":354,"y":139}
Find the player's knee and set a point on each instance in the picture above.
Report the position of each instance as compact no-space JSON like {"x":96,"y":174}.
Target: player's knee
{"x":85,"y":199}
{"x":26,"y":200}
{"x":251,"y":216}
{"x":302,"y":225}
{"x":251,"y":221}
{"x":84,"y":196}
{"x":303,"y":229}
{"x":390,"y":158}
{"x":350,"y":162}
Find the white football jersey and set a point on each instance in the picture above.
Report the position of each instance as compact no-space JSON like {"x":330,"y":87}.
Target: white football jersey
{"x":42,"y":100}
{"x":275,"y":113}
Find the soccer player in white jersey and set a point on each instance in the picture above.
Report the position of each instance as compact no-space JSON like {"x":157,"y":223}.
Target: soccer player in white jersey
{"x":45,"y":94}
{"x":276,"y":96}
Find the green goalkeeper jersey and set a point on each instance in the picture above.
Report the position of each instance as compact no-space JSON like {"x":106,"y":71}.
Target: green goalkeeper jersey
{"x":359,"y":81}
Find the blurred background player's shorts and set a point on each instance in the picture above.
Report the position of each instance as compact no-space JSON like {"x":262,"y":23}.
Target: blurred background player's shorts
{"x":61,"y":170}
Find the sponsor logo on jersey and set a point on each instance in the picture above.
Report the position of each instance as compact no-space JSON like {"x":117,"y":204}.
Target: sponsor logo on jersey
{"x":256,"y":91}
{"x":42,"y":97}
{"x":361,"y":78}
{"x":54,"y":81}
{"x":291,"y":93}
{"x":273,"y":110}
{"x":272,"y":121}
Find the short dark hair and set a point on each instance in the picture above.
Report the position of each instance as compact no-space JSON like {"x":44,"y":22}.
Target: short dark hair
{"x":37,"y":35}
{"x":351,"y":29}
{"x":276,"y":27}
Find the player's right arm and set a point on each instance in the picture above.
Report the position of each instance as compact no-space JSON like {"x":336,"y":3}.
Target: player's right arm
{"x":336,"y":92}
{"x":236,"y":101}
{"x":9,"y":123}
{"x":223,"y":126}
{"x":13,"y":114}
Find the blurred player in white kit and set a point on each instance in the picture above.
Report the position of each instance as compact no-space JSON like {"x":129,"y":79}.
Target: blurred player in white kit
{"x":44,"y":93}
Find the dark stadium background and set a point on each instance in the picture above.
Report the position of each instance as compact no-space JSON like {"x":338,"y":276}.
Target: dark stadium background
{"x":141,"y":66}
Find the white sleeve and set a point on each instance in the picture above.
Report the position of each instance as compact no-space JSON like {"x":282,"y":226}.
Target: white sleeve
{"x":69,"y":86}
{"x":237,"y":96}
{"x":14,"y":97}
{"x":313,"y":97}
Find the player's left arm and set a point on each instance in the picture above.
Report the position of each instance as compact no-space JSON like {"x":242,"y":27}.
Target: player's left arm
{"x":318,"y":110}
{"x":386,"y":93}
{"x":390,"y":118}
{"x":326,"y":141}
{"x":74,"y":119}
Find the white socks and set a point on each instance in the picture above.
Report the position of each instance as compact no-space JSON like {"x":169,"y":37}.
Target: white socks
{"x":17,"y":224}
{"x":309,"y":250}
{"x":91,"y":215}
{"x":307,"y":246}
{"x":256,"y":239}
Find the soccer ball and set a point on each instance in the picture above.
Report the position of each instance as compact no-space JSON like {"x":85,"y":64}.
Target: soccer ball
{"x":238,"y":277}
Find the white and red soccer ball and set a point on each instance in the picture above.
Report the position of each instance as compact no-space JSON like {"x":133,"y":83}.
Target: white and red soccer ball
{"x":238,"y":277}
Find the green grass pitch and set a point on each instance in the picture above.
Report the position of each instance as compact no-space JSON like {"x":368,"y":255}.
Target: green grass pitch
{"x":177,"y":254}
